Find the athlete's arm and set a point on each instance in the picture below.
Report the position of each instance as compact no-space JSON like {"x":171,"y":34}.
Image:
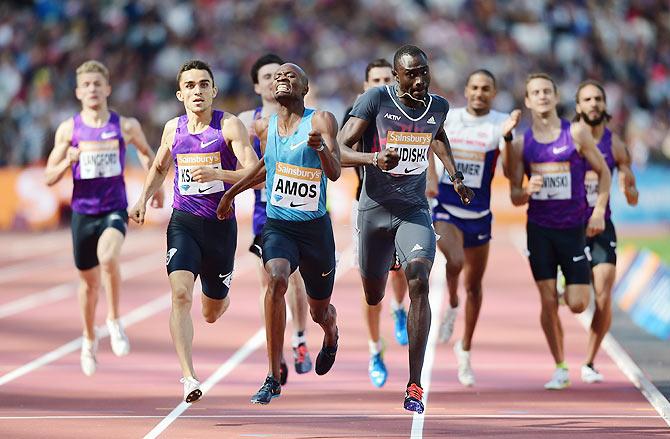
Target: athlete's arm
{"x":132,"y":132}
{"x":432,"y":178}
{"x":588,"y":149}
{"x":507,"y":130}
{"x":626,"y":176}
{"x":440,"y":145}
{"x":518,"y":193}
{"x":350,"y":134}
{"x":62,"y":156}
{"x":157,"y":173}
{"x":324,"y":132}
{"x":255,"y":176}
{"x":237,"y":137}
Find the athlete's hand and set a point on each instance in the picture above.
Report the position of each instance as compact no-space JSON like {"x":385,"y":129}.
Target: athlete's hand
{"x":315,"y":140}
{"x":225,"y":205}
{"x":464,"y":192}
{"x":627,"y":185}
{"x":73,"y":154}
{"x":158,"y":198}
{"x":534,"y":184}
{"x":204,"y":174}
{"x":511,"y":122}
{"x":596,"y":224}
{"x":137,"y":212}
{"x":431,"y":188}
{"x":388,"y":159}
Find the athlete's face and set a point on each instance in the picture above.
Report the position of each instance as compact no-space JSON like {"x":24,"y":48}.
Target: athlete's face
{"x":196,"y":90}
{"x":290,"y":81}
{"x":413,"y":76}
{"x":265,"y":86}
{"x":480,"y":92}
{"x":92,"y":89}
{"x":591,"y":105}
{"x":541,"y":97}
{"x":378,"y":76}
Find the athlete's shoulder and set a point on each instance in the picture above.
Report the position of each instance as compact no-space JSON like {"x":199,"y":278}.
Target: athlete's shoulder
{"x":247,"y":117}
{"x":498,"y":116}
{"x":453,"y":116}
{"x":440,"y":102}
{"x":128,"y":123}
{"x":171,"y":125}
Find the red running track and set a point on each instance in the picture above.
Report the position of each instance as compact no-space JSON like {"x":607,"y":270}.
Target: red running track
{"x":44,"y":394}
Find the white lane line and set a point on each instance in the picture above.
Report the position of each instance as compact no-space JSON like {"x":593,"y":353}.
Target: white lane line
{"x":302,"y":415}
{"x":129,"y":269}
{"x":237,"y":358}
{"x":437,"y":284}
{"x":620,"y":357}
{"x":30,"y":267}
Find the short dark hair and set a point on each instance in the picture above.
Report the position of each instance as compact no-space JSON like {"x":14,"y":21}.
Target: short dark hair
{"x":540,"y":76}
{"x":268,"y":58}
{"x":379,"y":62}
{"x":600,"y":87}
{"x":482,"y":72}
{"x":194,"y":64}
{"x":407,"y":49}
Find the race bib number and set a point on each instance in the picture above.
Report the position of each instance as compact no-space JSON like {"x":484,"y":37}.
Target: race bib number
{"x":295,"y":187}
{"x":99,"y":159}
{"x":187,"y":163}
{"x":412,"y":149}
{"x":471,"y":164}
{"x":556,"y":180}
{"x":591,"y":185}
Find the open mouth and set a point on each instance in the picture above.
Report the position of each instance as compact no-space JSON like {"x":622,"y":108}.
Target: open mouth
{"x":282,"y":88}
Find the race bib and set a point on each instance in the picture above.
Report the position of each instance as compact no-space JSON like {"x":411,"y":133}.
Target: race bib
{"x":471,"y":164}
{"x":295,"y":187}
{"x":413,"y":151}
{"x":591,"y":184}
{"x":98,"y":159}
{"x":187,"y":163}
{"x":556,"y":180}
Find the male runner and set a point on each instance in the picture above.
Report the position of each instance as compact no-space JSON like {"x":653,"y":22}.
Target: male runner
{"x":379,"y":72}
{"x":478,"y":135}
{"x":300,"y":151}
{"x":553,"y":154}
{"x":205,"y":146}
{"x":591,"y":107}
{"x":262,"y":75}
{"x":398,"y":124}
{"x":93,"y":144}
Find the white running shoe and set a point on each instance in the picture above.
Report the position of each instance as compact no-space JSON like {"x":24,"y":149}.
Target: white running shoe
{"x":87,"y":358}
{"x":465,"y":374}
{"x":559,"y":380}
{"x":192,"y":391}
{"x":590,"y":375}
{"x":120,"y":343}
{"x":447,"y":325}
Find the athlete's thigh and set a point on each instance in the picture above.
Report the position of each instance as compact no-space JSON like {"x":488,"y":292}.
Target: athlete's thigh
{"x":415,"y":237}
{"x":317,"y":258}
{"x":85,"y":237}
{"x":184,"y":252}
{"x":376,"y":242}
{"x":451,"y":240}
{"x":476,"y":259}
{"x":218,"y":258}
{"x":572,"y":257}
{"x":542,"y":255}
{"x":602,"y":247}
{"x":278,"y":243}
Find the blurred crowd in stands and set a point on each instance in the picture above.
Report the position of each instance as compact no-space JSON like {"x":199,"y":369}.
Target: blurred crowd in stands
{"x":624,"y":44}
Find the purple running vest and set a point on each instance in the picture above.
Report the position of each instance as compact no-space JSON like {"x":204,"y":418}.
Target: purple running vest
{"x":591,"y":179}
{"x":259,"y":216}
{"x":190,"y":151}
{"x":98,"y":175}
{"x":561,"y":202}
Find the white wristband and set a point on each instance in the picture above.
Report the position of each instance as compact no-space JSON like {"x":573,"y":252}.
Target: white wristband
{"x":320,"y":148}
{"x":375,"y":157}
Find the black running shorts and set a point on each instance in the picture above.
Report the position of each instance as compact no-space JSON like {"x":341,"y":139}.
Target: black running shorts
{"x":549,"y":248}
{"x":603,"y":246}
{"x":205,"y":247}
{"x":86,"y":231}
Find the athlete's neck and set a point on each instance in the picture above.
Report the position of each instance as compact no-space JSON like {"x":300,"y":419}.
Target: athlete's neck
{"x":288,"y":117}
{"x":546,"y":121}
{"x":95,"y":117}
{"x":598,"y":131}
{"x":198,"y":122}
{"x":407,"y":99}
{"x":269,"y":107}
{"x":477,"y":113}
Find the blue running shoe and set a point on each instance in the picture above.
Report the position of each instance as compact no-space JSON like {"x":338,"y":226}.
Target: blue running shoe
{"x":400,"y":319}
{"x":414,"y":399}
{"x":377,"y":370}
{"x":269,"y":390}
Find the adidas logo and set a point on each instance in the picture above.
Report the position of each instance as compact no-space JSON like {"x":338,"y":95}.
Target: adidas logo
{"x":417,"y":246}
{"x":431,"y":120}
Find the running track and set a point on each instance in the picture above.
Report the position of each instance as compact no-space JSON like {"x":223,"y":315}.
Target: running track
{"x":44,"y":394}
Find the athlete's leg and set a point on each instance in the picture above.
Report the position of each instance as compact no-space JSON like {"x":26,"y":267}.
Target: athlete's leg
{"x":297,"y":301}
{"x":89,"y":287}
{"x":279,"y":270}
{"x":418,"y":318}
{"x":551,"y":324}
{"x":181,"y":324}
{"x":577,"y":297}
{"x":476,"y":259}
{"x":451,"y":245}
{"x":109,"y":250}
{"x":399,"y":284}
{"x":212,"y":309}
{"x":603,"y":281}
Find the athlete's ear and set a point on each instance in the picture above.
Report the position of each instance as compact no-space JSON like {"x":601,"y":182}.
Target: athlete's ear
{"x":305,"y":91}
{"x":180,"y":96}
{"x":214,"y":91}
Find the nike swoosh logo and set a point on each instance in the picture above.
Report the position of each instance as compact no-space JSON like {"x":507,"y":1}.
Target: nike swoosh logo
{"x":204,"y":190}
{"x":559,"y":150}
{"x":297,"y":145}
{"x":480,"y":237}
{"x":326,"y":274}
{"x":577,"y":258}
{"x":107,"y":135}
{"x":222,"y":276}
{"x":297,"y":205}
{"x":408,"y":170}
{"x":205,"y":145}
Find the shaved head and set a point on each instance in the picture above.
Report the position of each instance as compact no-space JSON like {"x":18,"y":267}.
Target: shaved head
{"x":296,"y":69}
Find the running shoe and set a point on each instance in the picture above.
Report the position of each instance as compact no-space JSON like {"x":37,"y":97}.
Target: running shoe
{"x":269,"y":390}
{"x":590,"y":375}
{"x":326,"y":358}
{"x":192,"y":392}
{"x":87,"y":358}
{"x":413,"y":397}
{"x":559,"y":380}
{"x":400,"y":326}
{"x":283,"y":372}
{"x":377,"y":370}
{"x":447,"y":325}
{"x":465,"y":374}
{"x":120,"y":343}
{"x":301,"y":359}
